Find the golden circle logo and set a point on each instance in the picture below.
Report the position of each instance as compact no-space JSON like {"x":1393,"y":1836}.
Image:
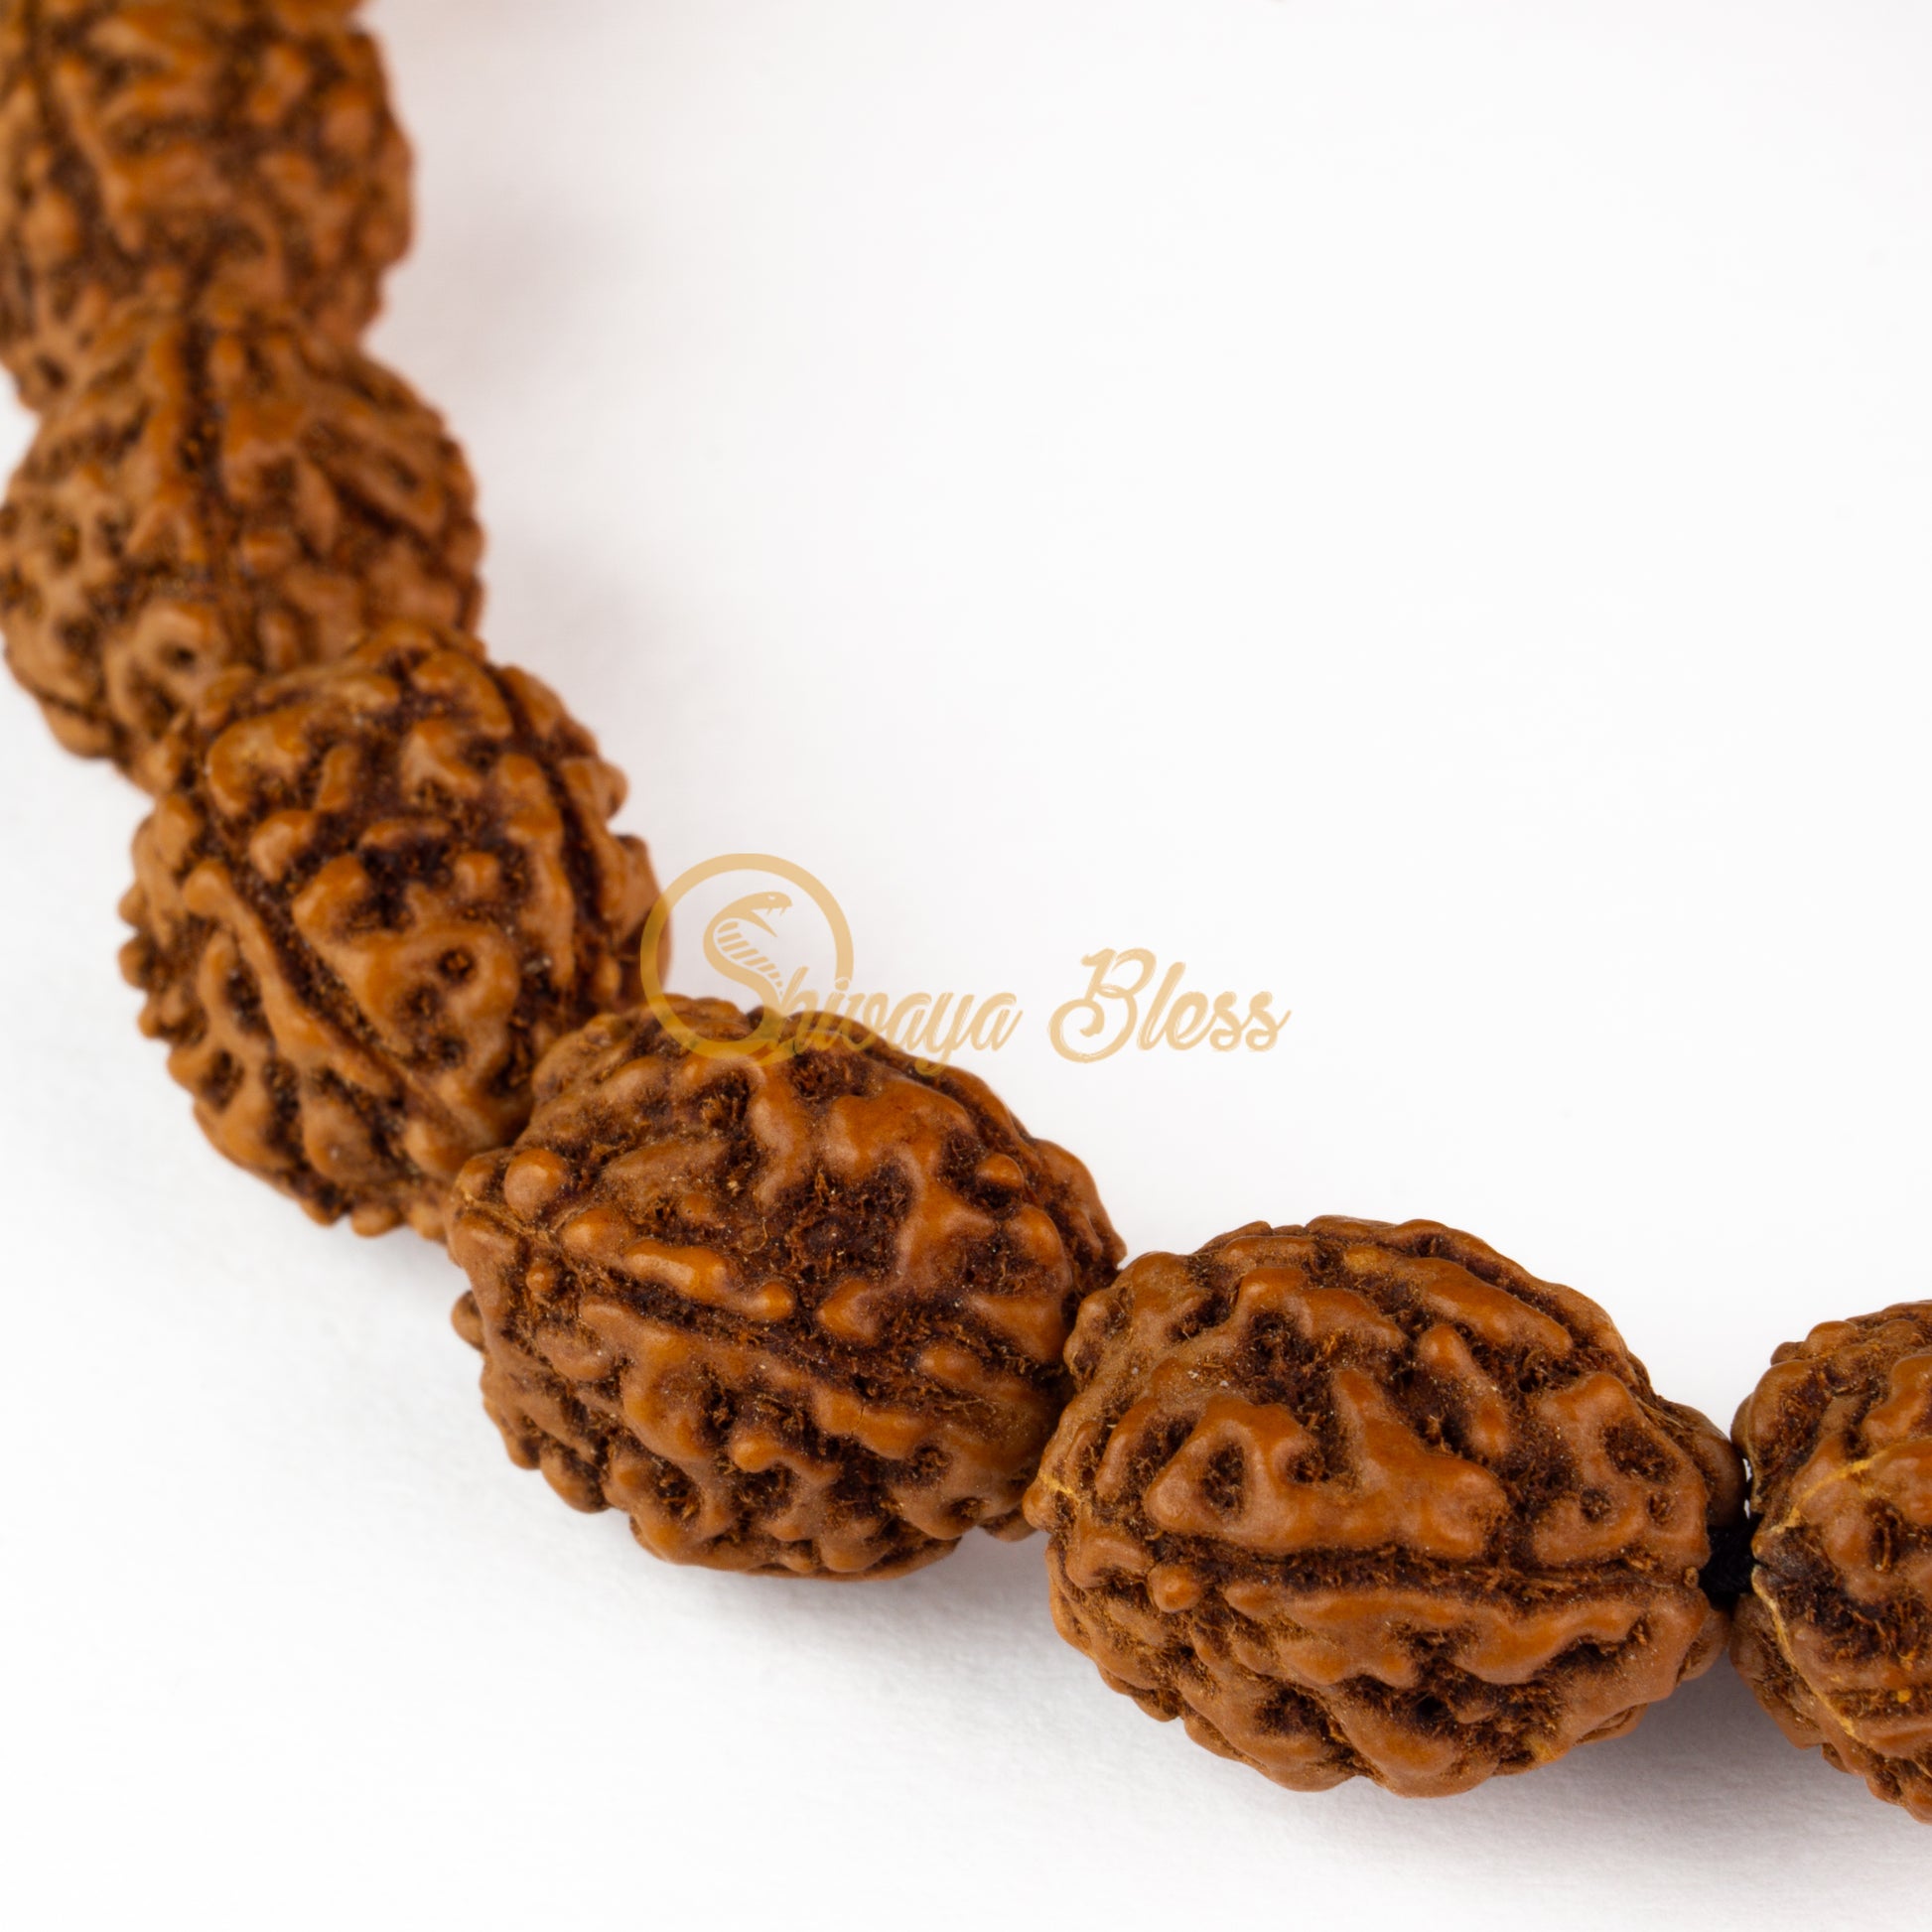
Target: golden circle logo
{"x":743,"y":943}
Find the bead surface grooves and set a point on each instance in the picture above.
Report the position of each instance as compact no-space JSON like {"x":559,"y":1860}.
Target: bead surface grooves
{"x":222,"y":488}
{"x":375,"y":894}
{"x":235,"y":148}
{"x":1355,"y":1499}
{"x":800,"y":1316}
{"x":1835,"y":1633}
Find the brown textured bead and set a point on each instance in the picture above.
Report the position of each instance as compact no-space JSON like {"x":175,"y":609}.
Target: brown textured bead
{"x":375,"y":894}
{"x":798,"y":1314}
{"x":1360,"y":1500}
{"x":1835,"y":1633}
{"x":221,"y":491}
{"x":164,"y":152}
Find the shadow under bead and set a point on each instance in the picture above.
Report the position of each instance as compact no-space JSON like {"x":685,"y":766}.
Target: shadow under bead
{"x":372,"y":896}
{"x":223,"y":489}
{"x":1363,"y":1500}
{"x":167,"y":153}
{"x":798,"y":1314}
{"x":1836,"y":1632}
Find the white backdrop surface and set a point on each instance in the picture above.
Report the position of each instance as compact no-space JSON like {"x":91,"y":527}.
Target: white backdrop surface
{"x":1422,"y":509}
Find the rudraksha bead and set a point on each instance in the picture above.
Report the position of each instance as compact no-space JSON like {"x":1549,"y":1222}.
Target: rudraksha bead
{"x":373,"y":893}
{"x":222,"y":490}
{"x":1360,"y":1500}
{"x":163,"y":152}
{"x":799,"y":1312}
{"x":1836,"y":1632}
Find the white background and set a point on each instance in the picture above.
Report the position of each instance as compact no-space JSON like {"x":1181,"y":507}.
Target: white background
{"x":1423,"y":508}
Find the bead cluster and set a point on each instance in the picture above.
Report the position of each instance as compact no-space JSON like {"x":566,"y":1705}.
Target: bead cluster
{"x":1351,"y":1499}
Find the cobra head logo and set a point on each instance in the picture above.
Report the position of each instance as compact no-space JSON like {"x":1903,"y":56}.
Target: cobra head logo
{"x":745,"y":943}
